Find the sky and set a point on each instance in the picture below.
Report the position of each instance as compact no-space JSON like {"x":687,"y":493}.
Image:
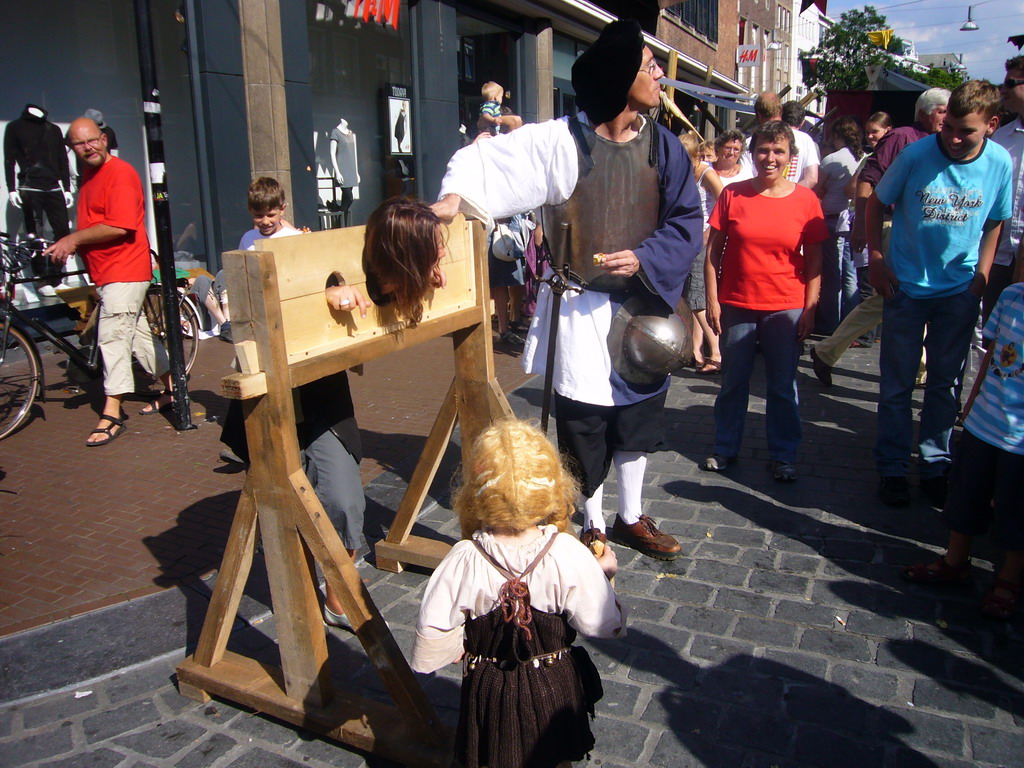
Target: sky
{"x":934,"y":26}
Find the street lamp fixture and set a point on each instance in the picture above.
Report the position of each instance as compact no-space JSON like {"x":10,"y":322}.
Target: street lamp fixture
{"x":969,"y":25}
{"x":774,"y":45}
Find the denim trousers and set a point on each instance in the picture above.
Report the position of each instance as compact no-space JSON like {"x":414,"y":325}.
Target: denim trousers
{"x":776,"y":331}
{"x":839,"y":291}
{"x":950,"y":322}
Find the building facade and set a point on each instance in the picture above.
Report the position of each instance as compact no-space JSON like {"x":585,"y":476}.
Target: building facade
{"x":377,"y":95}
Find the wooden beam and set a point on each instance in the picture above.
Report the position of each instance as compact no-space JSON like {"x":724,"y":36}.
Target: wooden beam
{"x":373,"y":632}
{"x":415,"y":550}
{"x":231,"y":578}
{"x":422,"y":476}
{"x":364,"y":723}
{"x":274,"y":448}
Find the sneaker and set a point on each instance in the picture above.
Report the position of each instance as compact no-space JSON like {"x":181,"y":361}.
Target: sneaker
{"x":230,"y":457}
{"x":821,"y":369}
{"x":935,"y":489}
{"x":340,"y":620}
{"x":716,"y":463}
{"x":47,"y":290}
{"x":645,"y":538}
{"x":784,"y":471}
{"x":225,"y":332}
{"x":894,"y":491}
{"x":510,"y":337}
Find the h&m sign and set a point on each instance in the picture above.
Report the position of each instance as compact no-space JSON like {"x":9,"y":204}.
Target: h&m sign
{"x":748,"y":55}
{"x":381,"y":11}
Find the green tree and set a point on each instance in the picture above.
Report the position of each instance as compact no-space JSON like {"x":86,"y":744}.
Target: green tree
{"x":845,"y":50}
{"x":939,"y":78}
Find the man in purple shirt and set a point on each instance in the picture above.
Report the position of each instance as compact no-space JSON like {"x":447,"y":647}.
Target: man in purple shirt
{"x":930,"y":111}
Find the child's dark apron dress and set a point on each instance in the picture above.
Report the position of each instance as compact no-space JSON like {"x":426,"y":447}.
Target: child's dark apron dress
{"x":523,"y":700}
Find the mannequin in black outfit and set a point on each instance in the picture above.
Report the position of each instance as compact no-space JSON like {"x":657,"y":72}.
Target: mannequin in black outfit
{"x":36,"y":147}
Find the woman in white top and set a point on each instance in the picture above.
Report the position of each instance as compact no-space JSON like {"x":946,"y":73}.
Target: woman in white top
{"x":838,"y":274}
{"x":710,"y":187}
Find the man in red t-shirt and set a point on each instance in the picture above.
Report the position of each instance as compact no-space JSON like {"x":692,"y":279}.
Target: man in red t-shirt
{"x":111,"y":237}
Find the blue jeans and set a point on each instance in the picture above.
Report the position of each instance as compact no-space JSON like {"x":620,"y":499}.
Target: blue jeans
{"x":839,"y":294}
{"x":950,"y":322}
{"x":742,"y":329}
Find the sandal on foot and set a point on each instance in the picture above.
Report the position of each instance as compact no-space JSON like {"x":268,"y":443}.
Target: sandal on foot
{"x":108,"y":431}
{"x":998,"y":606}
{"x":941,"y":573}
{"x":710,"y":367}
{"x":154,"y":407}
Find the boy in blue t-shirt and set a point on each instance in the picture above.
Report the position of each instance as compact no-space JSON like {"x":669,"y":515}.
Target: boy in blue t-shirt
{"x":950,"y":193}
{"x":987,"y":481}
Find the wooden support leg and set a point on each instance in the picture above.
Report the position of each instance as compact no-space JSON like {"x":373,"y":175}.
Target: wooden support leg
{"x":394,"y":550}
{"x":480,"y":399}
{"x":300,"y":628}
{"x":234,"y":571}
{"x":383,"y":652}
{"x":191,"y":692}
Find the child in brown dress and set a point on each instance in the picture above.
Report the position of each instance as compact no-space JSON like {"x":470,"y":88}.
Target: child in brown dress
{"x":508,"y":601}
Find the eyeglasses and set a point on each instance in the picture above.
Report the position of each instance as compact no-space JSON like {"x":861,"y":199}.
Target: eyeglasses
{"x":95,"y":142}
{"x":650,"y":67}
{"x":1012,"y":82}
{"x":729,"y":151}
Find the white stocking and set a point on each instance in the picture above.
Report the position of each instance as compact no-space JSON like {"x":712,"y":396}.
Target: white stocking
{"x":593,"y":516}
{"x":630,"y":466}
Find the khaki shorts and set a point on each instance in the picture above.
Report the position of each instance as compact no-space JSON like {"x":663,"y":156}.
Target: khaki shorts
{"x":123,"y":332}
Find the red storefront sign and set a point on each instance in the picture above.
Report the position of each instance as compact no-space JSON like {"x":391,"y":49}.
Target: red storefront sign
{"x":381,"y":11}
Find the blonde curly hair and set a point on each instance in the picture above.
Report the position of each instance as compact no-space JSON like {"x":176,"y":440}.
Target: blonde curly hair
{"x":513,"y":478}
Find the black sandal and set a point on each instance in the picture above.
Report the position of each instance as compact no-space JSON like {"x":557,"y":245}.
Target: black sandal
{"x":154,"y":408}
{"x":943,"y":573}
{"x":108,"y":431}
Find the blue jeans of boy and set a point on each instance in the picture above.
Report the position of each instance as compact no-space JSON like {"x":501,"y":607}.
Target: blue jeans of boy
{"x":950,"y":323}
{"x":742,"y":329}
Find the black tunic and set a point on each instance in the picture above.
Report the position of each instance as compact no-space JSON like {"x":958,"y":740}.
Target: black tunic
{"x":518,"y":712}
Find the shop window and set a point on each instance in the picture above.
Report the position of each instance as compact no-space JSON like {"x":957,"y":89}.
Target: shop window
{"x":487,"y":52}
{"x":353,"y":63}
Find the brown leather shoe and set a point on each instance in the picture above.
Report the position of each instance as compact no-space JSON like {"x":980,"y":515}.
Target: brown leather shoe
{"x":591,"y":535}
{"x":645,"y":538}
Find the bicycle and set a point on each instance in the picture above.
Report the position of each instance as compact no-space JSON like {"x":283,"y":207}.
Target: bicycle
{"x":21,"y":369}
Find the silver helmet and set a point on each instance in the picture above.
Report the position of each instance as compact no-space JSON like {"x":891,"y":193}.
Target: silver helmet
{"x":648,"y":341}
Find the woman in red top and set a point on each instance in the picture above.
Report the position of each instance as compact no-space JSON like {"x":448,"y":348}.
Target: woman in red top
{"x":762,"y":277}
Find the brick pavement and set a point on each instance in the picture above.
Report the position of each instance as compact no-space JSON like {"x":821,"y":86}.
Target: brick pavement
{"x":83,"y":529}
{"x":783,"y":637}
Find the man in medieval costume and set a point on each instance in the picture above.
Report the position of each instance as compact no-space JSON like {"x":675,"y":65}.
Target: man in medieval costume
{"x":623,"y":217}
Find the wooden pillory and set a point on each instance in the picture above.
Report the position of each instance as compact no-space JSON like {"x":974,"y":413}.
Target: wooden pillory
{"x":286,"y":335}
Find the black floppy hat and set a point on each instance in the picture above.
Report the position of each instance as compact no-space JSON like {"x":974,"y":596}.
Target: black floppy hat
{"x":604,"y":73}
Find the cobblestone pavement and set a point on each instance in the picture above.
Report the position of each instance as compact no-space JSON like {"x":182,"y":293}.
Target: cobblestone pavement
{"x":783,"y":636}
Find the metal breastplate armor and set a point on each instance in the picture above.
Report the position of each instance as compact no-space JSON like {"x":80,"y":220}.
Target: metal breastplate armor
{"x":614,"y":206}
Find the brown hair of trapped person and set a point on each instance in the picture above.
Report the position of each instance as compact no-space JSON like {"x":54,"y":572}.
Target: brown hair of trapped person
{"x":402,"y":256}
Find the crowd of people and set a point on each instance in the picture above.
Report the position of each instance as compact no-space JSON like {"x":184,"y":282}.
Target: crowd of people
{"x":890,"y":227}
{"x":764,"y":239}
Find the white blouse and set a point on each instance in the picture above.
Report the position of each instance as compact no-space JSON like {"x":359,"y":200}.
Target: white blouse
{"x":465,"y":586}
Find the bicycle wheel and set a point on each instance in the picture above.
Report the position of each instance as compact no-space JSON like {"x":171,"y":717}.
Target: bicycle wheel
{"x":20,"y":373}
{"x":154,"y":309}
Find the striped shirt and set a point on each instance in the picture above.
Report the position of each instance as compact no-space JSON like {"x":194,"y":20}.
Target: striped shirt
{"x":997,"y":416}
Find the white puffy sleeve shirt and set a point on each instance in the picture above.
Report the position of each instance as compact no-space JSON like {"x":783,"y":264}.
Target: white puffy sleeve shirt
{"x":465,"y":586}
